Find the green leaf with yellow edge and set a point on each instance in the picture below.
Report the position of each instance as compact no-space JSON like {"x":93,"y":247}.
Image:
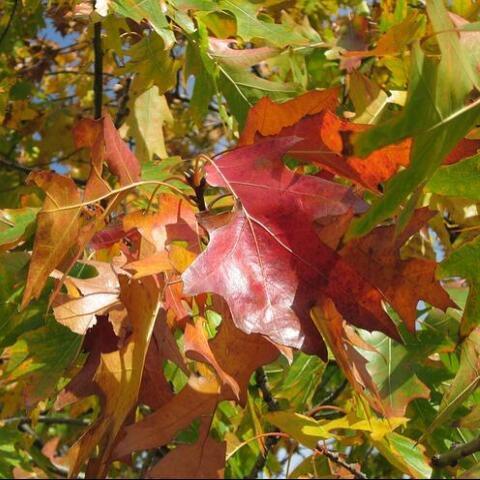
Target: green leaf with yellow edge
{"x":404,"y":454}
{"x":242,"y":89}
{"x":251,"y":26}
{"x":299,"y":380}
{"x":218,"y":72}
{"x":38,"y":359}
{"x":465,"y":262}
{"x":392,"y":367}
{"x":308,"y":431}
{"x":377,"y":428}
{"x":435,"y":115}
{"x":294,"y":424}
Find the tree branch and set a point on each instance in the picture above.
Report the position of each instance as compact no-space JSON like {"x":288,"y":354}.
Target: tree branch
{"x":272,"y":404}
{"x":262,"y":383}
{"x":15,"y":166}
{"x":335,"y":457}
{"x":328,"y":399}
{"x":451,"y":458}
{"x":98,"y":68}
{"x":10,"y":20}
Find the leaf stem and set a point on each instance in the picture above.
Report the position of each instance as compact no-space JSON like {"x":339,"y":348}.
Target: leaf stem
{"x":115,"y":192}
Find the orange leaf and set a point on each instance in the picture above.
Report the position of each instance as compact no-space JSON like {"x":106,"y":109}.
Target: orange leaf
{"x":268,"y":118}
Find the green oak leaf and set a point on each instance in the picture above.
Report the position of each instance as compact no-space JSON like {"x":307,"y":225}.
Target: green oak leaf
{"x":466,"y":380}
{"x":465,"y":262}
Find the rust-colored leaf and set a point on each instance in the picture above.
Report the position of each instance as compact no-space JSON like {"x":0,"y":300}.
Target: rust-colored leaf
{"x":118,"y":377}
{"x":249,"y":352}
{"x":61,"y":234}
{"x":206,"y":458}
{"x":105,"y":144}
{"x":403,"y":282}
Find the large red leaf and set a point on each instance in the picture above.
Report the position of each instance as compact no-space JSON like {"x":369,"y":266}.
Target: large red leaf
{"x":268,"y":261}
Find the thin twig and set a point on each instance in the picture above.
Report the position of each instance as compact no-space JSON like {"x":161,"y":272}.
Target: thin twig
{"x":28,"y":170}
{"x":125,"y":188}
{"x":451,"y":458}
{"x":333,"y":395}
{"x":47,"y":420}
{"x":15,"y":166}
{"x":335,"y":457}
{"x":10,"y":20}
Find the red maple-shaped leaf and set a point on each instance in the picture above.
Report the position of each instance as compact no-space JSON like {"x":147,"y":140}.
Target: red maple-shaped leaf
{"x":268,"y":261}
{"x":403,"y":282}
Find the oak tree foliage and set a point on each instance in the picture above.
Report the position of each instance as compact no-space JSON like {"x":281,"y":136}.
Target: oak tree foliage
{"x":239,"y":238}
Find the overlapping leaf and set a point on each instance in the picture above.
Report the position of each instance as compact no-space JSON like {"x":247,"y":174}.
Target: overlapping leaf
{"x":271,"y":248}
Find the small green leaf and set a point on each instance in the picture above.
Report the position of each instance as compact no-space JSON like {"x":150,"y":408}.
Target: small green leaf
{"x":152,"y":11}
{"x":16,"y":225}
{"x":465,"y":262}
{"x":148,"y":115}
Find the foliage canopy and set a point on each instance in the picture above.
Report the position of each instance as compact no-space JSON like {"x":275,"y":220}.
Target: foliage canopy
{"x":239,"y":238}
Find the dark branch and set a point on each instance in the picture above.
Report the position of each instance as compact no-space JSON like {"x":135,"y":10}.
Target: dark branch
{"x":15,"y":166}
{"x":335,"y":457}
{"x":26,"y":170}
{"x":10,"y":20}
{"x":262,"y":383}
{"x":451,"y":458}
{"x":98,"y":68}
{"x":272,"y":404}
{"x":329,"y":398}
